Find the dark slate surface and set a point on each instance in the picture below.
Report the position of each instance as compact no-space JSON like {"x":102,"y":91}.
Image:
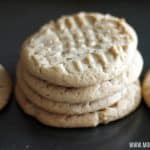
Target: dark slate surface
{"x":19,"y":131}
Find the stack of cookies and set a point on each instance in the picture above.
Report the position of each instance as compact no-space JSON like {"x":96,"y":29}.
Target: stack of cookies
{"x":80,"y":71}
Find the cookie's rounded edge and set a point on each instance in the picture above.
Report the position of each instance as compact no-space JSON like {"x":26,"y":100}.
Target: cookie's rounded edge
{"x":78,"y":95}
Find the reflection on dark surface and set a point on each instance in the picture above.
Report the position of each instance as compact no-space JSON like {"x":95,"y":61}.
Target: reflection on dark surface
{"x":121,"y":131}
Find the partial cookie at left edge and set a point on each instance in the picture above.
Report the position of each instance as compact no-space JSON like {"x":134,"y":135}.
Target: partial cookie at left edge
{"x":5,"y":87}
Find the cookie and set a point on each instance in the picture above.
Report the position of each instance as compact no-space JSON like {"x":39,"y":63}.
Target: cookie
{"x":86,"y":94}
{"x":67,"y":108}
{"x":146,"y":88}
{"x":5,"y":87}
{"x":80,"y":50}
{"x":121,"y":109}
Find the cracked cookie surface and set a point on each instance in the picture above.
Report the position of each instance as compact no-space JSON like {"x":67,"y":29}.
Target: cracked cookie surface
{"x":80,"y":50}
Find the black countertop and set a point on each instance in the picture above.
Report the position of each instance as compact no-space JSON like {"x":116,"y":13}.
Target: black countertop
{"x":19,"y":131}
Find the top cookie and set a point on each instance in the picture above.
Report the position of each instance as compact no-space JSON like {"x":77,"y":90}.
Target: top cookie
{"x":80,"y":50}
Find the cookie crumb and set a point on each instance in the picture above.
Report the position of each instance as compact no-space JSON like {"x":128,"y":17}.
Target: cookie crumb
{"x":27,"y":147}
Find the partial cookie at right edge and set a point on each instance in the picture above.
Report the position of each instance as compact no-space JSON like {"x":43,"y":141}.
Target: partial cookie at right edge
{"x":146,"y":88}
{"x":128,"y":104}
